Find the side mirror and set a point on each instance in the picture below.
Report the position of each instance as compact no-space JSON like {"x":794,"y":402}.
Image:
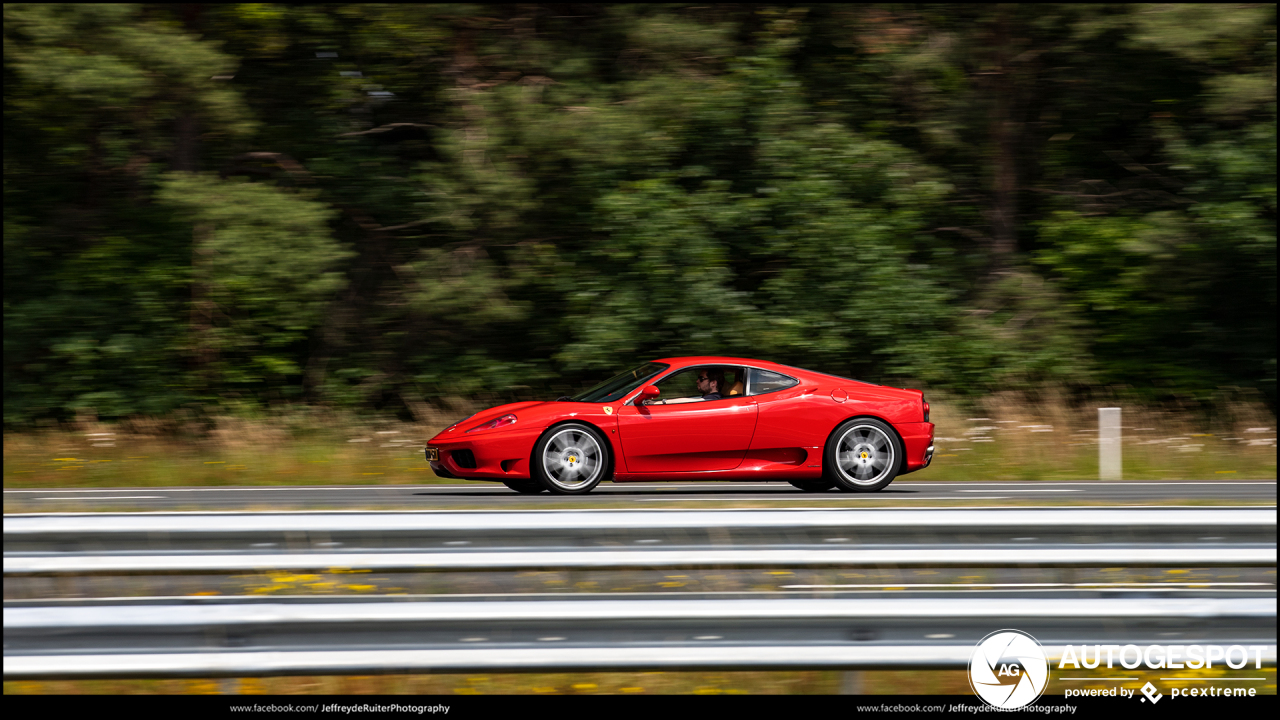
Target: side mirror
{"x":646,"y":393}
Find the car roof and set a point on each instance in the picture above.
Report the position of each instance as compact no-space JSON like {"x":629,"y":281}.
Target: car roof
{"x":717,"y":360}
{"x":764,"y":364}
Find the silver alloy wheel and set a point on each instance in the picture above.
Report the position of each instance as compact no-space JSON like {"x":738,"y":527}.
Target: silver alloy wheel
{"x":865,"y":455}
{"x":572,"y":459}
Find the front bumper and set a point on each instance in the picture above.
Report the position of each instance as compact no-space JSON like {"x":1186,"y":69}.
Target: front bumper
{"x":498,"y":455}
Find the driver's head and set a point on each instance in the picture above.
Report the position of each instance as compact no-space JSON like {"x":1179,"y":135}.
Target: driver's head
{"x":710,"y":380}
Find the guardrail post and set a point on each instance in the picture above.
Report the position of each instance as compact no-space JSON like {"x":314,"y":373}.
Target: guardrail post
{"x":1109,"y":444}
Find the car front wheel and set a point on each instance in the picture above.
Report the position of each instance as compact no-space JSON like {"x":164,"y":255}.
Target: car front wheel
{"x":570,"y":459}
{"x":862,"y":455}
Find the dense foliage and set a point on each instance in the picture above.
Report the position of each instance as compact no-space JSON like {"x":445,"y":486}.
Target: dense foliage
{"x":368,"y":206}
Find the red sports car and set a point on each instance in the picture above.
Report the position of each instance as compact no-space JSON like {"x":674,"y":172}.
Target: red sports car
{"x":697,"y":418}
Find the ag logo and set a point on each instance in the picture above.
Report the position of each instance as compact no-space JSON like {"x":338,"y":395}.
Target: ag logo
{"x":1008,"y":669}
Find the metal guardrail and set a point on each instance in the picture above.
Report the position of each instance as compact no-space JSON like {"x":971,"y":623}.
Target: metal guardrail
{"x":296,"y":531}
{"x":233,"y":637}
{"x":243,"y":636}
{"x":635,"y":559}
{"x":482,"y":541}
{"x":1170,"y":522}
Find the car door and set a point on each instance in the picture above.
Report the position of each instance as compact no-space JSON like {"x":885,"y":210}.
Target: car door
{"x":695,"y":436}
{"x":783,"y":425}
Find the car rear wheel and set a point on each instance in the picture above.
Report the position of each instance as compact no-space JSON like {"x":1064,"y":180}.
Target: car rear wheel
{"x":862,"y":455}
{"x":524,"y":487}
{"x":813,"y":485}
{"x":570,"y":459}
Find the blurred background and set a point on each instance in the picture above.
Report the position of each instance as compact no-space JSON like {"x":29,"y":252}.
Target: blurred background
{"x":268,"y":244}
{"x":217,"y":213}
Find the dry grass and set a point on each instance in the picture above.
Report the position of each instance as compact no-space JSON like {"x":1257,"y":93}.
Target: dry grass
{"x":1002,"y":437}
{"x":314,"y":450}
{"x":1008,"y":437}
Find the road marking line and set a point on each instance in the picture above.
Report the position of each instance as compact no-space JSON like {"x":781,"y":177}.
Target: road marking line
{"x":868,"y":496}
{"x":1144,"y":586}
{"x":109,"y":497}
{"x":282,"y":488}
{"x":646,"y":485}
{"x":605,"y":510}
{"x":1008,"y":490}
{"x":1095,"y":483}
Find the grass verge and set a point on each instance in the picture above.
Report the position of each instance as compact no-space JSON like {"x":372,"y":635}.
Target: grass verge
{"x":1000,"y":438}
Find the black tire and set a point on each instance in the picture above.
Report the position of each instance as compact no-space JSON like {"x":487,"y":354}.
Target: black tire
{"x":822,"y":485}
{"x":571,"y":459}
{"x":524,"y":487}
{"x":862,"y":455}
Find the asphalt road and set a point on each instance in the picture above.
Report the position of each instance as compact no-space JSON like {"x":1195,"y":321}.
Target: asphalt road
{"x":903,"y":493}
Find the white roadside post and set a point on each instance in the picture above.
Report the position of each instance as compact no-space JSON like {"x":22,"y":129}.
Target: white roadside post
{"x":1109,"y":444}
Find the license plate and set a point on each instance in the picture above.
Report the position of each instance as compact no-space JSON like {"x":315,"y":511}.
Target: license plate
{"x":433,"y":454}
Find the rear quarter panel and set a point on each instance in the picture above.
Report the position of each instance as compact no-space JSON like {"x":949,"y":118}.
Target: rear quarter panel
{"x":805,"y":415}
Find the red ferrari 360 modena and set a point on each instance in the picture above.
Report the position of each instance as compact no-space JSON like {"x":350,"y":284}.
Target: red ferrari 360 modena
{"x":697,"y":418}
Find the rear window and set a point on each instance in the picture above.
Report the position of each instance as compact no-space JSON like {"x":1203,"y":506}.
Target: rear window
{"x":839,"y":377}
{"x":760,"y":382}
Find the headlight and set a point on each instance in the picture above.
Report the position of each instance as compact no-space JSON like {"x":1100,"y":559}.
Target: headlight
{"x":456,"y":423}
{"x":503,"y":421}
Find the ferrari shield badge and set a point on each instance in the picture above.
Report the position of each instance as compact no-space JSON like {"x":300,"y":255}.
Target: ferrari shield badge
{"x":608,"y":409}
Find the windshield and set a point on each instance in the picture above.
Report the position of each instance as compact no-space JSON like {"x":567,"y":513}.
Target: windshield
{"x":615,"y":387}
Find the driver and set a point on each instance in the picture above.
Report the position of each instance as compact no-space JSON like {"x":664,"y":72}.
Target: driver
{"x":710,"y":381}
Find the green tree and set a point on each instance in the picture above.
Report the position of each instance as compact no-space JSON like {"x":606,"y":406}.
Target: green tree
{"x":369,"y":205}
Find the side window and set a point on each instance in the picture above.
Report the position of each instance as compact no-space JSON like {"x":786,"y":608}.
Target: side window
{"x":682,"y":387}
{"x":765,"y":381}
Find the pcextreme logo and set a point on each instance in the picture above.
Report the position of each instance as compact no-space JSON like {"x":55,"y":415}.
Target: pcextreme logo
{"x":1008,"y":669}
